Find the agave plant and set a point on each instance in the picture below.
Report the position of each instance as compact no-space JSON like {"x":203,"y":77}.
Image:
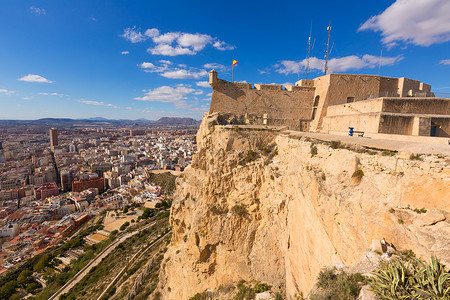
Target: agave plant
{"x":417,"y":280}
{"x":433,"y":281}
{"x":394,"y":280}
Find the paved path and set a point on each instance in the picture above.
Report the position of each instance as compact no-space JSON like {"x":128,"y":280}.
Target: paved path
{"x":72,"y":282}
{"x":382,"y":144}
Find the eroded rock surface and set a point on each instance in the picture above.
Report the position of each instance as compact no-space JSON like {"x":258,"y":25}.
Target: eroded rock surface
{"x":283,"y":216}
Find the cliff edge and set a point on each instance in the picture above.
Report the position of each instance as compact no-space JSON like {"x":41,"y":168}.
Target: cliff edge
{"x":258,"y":204}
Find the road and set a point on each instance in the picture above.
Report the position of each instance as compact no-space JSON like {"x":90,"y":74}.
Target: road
{"x":72,"y":282}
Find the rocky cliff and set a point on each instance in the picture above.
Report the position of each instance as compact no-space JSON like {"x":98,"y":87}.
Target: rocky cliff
{"x":263,"y":205}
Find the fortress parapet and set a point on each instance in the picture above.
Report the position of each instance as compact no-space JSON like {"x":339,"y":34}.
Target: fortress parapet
{"x":305,"y":105}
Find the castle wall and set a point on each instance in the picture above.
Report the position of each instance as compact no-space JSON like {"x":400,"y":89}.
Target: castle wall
{"x":334,"y":102}
{"x":435,"y":106}
{"x":361,"y":122}
{"x":444,"y":126}
{"x":395,"y":124}
{"x":367,"y":106}
{"x":282,"y":107}
{"x":388,"y":87}
{"x":406,"y":84}
{"x":334,"y":89}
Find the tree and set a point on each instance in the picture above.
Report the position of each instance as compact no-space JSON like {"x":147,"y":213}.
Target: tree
{"x":24,"y":278}
{"x":8,"y":289}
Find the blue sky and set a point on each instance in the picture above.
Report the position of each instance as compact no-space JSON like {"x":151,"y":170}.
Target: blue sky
{"x":148,"y":59}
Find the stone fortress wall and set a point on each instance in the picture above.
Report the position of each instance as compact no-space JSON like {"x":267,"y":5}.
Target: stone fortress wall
{"x":263,"y":104}
{"x":334,"y":102}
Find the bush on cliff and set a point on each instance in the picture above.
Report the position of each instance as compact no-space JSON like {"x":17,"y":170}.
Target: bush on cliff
{"x":335,"y":285}
{"x":410,"y":278}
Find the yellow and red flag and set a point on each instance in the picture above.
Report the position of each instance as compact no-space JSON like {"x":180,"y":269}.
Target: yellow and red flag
{"x":234,"y":62}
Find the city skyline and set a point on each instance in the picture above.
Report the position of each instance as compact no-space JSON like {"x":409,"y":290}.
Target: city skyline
{"x":149,"y":60}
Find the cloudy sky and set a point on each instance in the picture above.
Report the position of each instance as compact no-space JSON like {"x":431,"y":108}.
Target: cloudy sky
{"x":148,"y":59}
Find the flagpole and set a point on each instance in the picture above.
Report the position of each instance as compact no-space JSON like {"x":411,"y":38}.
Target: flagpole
{"x":232,"y":71}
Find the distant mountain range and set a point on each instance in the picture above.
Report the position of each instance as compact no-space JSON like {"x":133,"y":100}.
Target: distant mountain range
{"x":164,"y":121}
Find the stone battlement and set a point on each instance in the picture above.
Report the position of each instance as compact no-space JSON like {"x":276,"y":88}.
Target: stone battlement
{"x":214,"y":81}
{"x":305,"y":105}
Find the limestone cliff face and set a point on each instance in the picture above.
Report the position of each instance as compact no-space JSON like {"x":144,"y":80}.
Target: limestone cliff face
{"x":280,"y":219}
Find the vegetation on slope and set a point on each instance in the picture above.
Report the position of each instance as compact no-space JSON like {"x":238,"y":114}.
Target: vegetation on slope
{"x":408,"y":277}
{"x":99,"y":277}
{"x":165,"y":180}
{"x":334,"y":285}
{"x":19,"y":282}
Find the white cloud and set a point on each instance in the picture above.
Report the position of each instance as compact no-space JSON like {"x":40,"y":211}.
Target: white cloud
{"x":97,"y":103}
{"x":209,"y":95}
{"x":420,"y":22}
{"x":166,"y":62}
{"x":222,"y":46}
{"x":34,"y":78}
{"x":125,"y":52}
{"x":37,"y":11}
{"x":152,"y":32}
{"x":147,"y":65}
{"x":174,"y":72}
{"x":445,"y":62}
{"x":166,"y":94}
{"x":166,"y":38}
{"x":174,"y":43}
{"x":215,"y":66}
{"x":340,"y":64}
{"x":27,"y":98}
{"x":128,"y":107}
{"x":6,"y":92}
{"x":167,"y":50}
{"x":204,"y":84}
{"x":196,"y":41}
{"x":198,"y":92}
{"x":91,"y":102}
{"x":184,"y":74}
{"x":52,"y":94}
{"x":133,"y":35}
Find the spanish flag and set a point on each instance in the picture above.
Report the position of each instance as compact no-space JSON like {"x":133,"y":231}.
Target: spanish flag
{"x":234,"y":62}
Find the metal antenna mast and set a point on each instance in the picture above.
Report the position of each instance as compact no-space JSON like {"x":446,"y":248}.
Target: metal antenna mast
{"x":309,"y":52}
{"x":328,"y":48}
{"x":379,"y":64}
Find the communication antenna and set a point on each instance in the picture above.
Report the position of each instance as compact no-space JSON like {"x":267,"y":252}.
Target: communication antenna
{"x":309,"y":51}
{"x":379,"y":64}
{"x":328,"y":48}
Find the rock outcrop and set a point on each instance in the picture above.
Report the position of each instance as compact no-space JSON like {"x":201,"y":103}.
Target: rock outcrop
{"x":261,"y":205}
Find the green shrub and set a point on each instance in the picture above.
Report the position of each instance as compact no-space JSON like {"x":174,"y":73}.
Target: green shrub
{"x":261,"y":287}
{"x":198,"y":296}
{"x":239,"y":210}
{"x":420,"y":211}
{"x":244,"y":291}
{"x":337,"y":285}
{"x":388,"y":153}
{"x":124,"y":225}
{"x":249,"y":157}
{"x":32,"y":287}
{"x":313,"y":150}
{"x":358,"y":175}
{"x":415,"y":157}
{"x":411,"y":279}
{"x":335,"y":144}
